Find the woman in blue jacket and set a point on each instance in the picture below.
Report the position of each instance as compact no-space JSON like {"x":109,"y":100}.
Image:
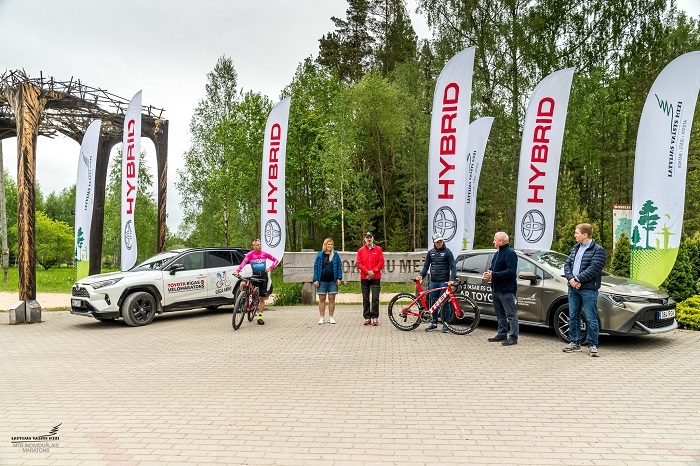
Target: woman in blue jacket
{"x":328,"y":273}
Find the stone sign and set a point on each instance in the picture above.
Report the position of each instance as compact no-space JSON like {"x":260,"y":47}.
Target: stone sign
{"x":398,"y":266}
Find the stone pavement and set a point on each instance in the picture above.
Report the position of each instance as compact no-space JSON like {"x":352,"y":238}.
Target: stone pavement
{"x":188,"y":389}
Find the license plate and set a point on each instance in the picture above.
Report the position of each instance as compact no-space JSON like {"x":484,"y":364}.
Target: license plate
{"x":76,"y":303}
{"x":667,"y":314}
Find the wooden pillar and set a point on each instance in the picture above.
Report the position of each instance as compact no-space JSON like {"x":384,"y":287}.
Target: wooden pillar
{"x":28,"y":104}
{"x":160,"y":139}
{"x":98,"y":212}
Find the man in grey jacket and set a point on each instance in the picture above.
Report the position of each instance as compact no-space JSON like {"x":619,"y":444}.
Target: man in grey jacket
{"x":583,"y":270}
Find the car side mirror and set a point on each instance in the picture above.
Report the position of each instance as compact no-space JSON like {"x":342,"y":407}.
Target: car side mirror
{"x":529,"y":276}
{"x":175,"y":268}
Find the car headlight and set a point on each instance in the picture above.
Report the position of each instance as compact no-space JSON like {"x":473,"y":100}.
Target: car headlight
{"x":103,"y":283}
{"x":620,"y":300}
{"x":614,"y":299}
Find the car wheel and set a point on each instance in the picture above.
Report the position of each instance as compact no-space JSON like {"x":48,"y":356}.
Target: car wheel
{"x":139,"y":309}
{"x":561,"y":323}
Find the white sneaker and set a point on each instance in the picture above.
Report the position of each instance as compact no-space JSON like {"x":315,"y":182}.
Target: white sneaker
{"x":320,"y":321}
{"x":331,"y":320}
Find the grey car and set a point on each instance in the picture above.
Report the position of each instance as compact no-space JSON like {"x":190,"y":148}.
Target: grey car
{"x":625,"y":306}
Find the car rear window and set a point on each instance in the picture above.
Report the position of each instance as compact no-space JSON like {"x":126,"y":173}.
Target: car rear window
{"x":472,"y":263}
{"x":220,"y":259}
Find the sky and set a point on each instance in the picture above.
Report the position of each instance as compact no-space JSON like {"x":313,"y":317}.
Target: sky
{"x":164,"y":48}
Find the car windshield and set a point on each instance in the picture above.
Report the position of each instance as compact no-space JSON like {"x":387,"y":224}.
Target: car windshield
{"x":156,"y":262}
{"x":553,"y":259}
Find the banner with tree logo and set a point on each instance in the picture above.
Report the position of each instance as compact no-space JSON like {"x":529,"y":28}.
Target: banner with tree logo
{"x":660,"y":164}
{"x":476,"y":146}
{"x":85,"y":197}
{"x":131,"y":153}
{"x":273,"y":209}
{"x":447,"y":155}
{"x":540,"y":152}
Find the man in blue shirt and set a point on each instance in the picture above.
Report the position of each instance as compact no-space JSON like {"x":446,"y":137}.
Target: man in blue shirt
{"x":584,"y":269}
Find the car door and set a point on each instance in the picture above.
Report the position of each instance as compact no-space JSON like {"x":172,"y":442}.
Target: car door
{"x":189,"y":282}
{"x":470,"y":269}
{"x":530,"y":290}
{"x":220,"y":273}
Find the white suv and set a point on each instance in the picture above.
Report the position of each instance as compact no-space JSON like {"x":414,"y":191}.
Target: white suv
{"x":169,"y":281}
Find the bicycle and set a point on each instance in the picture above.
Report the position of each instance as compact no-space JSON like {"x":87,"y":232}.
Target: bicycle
{"x":407,"y":311}
{"x":247,"y":301}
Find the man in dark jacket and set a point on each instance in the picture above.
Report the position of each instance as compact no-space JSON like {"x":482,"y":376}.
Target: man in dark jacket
{"x":443,"y":271}
{"x":504,"y":284}
{"x":583,"y":270}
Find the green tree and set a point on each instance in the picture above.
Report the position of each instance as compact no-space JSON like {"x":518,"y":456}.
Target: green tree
{"x":220,"y":182}
{"x":395,"y":38}
{"x":636,"y":237}
{"x":620,"y":262}
{"x":54,"y":241}
{"x":61,"y":206}
{"x":680,"y":283}
{"x":647,"y":218}
{"x":348,"y":50}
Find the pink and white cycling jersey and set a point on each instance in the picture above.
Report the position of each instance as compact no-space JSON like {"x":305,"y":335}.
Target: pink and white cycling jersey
{"x":258,"y":261}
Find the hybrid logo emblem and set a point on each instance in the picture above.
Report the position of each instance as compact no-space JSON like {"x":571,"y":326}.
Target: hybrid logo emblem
{"x":128,"y":235}
{"x":273,"y":233}
{"x":533,"y":226}
{"x":445,"y":223}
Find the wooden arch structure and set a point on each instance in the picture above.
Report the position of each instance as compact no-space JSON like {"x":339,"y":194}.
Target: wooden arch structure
{"x":32,"y":107}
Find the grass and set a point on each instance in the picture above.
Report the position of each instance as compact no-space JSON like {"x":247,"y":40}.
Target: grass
{"x":54,"y":280}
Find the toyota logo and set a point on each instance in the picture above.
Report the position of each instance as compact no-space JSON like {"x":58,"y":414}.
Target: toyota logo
{"x":445,"y":223}
{"x":128,"y":235}
{"x":533,"y":226}
{"x":273,"y":233}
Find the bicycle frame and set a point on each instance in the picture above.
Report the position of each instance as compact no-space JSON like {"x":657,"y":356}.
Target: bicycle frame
{"x":436,"y":305}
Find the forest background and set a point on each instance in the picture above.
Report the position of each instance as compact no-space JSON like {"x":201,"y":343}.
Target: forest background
{"x":359,"y":128}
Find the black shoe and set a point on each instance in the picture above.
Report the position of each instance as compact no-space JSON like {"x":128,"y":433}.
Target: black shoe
{"x":497,"y":338}
{"x":510,"y":341}
{"x":261,"y":322}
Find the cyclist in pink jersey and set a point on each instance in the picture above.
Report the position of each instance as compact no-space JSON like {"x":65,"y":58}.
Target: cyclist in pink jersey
{"x":257,"y":258}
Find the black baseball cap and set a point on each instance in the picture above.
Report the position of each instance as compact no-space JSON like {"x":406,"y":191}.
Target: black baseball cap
{"x":369,"y":233}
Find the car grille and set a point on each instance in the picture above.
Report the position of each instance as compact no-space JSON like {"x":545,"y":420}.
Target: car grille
{"x":649,"y":317}
{"x":80,"y":292}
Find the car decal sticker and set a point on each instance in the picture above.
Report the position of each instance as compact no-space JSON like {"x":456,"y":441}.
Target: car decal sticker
{"x":185,"y":286}
{"x":222,"y":282}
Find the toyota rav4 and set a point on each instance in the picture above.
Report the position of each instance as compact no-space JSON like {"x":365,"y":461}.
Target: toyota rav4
{"x":173,"y":280}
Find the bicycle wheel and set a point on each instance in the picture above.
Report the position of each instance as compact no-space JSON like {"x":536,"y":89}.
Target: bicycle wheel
{"x":253,"y":304}
{"x":239,"y":310}
{"x":404,"y":313}
{"x":465,"y":319}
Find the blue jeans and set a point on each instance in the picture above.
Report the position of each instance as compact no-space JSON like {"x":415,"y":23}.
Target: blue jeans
{"x":506,"y":314}
{"x":434,"y":296}
{"x":588,"y":300}
{"x":327,"y":288}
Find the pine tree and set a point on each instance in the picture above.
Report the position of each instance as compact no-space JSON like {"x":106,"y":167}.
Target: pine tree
{"x":680,"y":283}
{"x":620,"y":262}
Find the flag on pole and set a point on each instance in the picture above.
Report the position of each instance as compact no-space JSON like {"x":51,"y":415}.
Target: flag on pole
{"x":85,"y":198}
{"x":540,"y":153}
{"x":478,"y":136}
{"x":131,"y":151}
{"x":447,"y":156}
{"x":660,"y":165}
{"x":272,"y":222}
